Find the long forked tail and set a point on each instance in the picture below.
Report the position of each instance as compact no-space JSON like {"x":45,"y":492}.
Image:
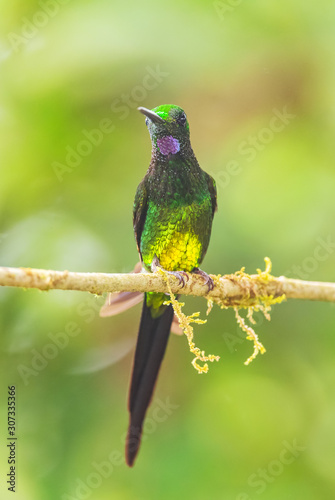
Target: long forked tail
{"x":151,"y":344}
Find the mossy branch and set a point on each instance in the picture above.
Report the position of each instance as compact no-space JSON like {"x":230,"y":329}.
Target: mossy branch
{"x":256,"y":292}
{"x":232,"y":289}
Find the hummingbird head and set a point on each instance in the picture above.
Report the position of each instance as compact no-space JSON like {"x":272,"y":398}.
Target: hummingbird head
{"x":168,"y":128}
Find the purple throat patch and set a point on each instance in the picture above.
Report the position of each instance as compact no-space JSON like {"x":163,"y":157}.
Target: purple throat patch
{"x":168,"y":144}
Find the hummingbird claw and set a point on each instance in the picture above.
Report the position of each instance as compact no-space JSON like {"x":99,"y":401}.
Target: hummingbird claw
{"x":155,"y":264}
{"x":181,"y":275}
{"x":208,"y":280}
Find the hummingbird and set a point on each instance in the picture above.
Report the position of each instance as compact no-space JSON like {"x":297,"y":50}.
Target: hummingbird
{"x":172,"y":218}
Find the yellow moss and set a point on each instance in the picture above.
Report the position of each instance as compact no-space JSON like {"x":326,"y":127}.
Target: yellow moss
{"x":252,"y":303}
{"x":210,"y":304}
{"x":268,"y":268}
{"x":185,"y":324}
{"x":251,"y":335}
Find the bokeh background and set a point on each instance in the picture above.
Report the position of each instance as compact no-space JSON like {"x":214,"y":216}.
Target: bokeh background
{"x":69,"y":69}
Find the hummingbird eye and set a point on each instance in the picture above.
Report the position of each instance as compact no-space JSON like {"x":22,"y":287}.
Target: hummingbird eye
{"x":182,"y":119}
{"x":147,"y":121}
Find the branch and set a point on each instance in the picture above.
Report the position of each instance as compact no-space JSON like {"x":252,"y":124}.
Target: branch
{"x":229,"y":290}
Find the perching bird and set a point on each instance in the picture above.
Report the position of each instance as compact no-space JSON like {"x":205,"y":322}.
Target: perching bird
{"x":173,"y":214}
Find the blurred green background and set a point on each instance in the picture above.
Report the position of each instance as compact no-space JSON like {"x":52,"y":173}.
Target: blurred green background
{"x":70,"y":68}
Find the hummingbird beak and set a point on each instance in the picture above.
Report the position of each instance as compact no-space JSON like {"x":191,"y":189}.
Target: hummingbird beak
{"x":151,"y":115}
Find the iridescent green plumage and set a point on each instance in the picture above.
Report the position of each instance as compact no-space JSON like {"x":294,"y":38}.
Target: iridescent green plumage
{"x":173,"y":213}
{"x":175,"y":202}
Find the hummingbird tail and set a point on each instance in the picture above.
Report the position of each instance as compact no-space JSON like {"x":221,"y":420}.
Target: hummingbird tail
{"x":151,"y":344}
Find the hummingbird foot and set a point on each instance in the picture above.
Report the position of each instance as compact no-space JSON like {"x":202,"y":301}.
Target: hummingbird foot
{"x":181,"y":275}
{"x":208,"y":280}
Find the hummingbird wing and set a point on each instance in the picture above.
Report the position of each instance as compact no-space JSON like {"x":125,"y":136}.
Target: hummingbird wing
{"x":212,"y":191}
{"x":118,"y":302}
{"x":140,"y":212}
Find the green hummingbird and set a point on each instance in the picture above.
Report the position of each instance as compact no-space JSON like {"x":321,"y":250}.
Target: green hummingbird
{"x":172,"y":218}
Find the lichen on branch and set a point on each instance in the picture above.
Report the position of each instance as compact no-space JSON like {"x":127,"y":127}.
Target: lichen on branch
{"x":239,"y":291}
{"x":257,"y":303}
{"x":230,"y":289}
{"x":185,"y":325}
